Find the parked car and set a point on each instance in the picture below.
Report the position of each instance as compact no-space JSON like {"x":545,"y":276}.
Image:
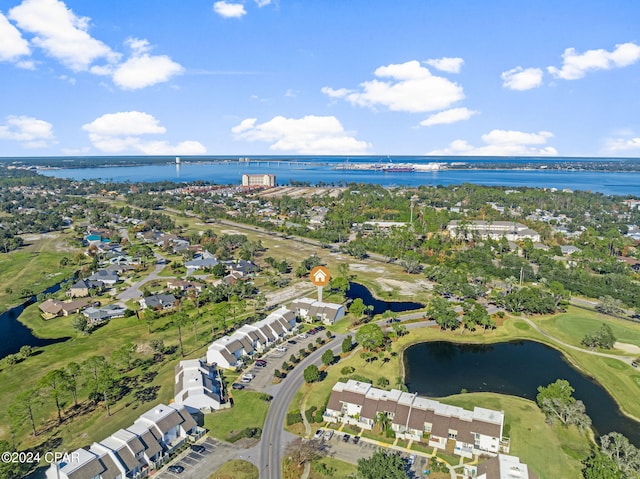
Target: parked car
{"x":328,"y":434}
{"x":303,"y":336}
{"x":320,"y":328}
{"x":346,"y":438}
{"x":393,"y":320}
{"x":281,"y":349}
{"x":237,"y":386}
{"x":634,"y":364}
{"x":248,"y":376}
{"x":356,"y":439}
{"x":198,"y":448}
{"x":261,"y":363}
{"x":318,"y":434}
{"x":292,"y":341}
{"x":412,"y":459}
{"x":176,"y":469}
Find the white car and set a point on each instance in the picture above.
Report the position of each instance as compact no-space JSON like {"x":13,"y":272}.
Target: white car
{"x":318,"y":433}
{"x":248,"y":376}
{"x":303,"y":336}
{"x":281,"y":349}
{"x":328,"y":434}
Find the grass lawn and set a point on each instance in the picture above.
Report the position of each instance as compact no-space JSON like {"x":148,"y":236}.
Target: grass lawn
{"x":80,"y":430}
{"x":551,"y":452}
{"x":237,"y":469}
{"x":35,"y":266}
{"x":328,"y":467}
{"x":249,"y":411}
{"x":572,"y":326}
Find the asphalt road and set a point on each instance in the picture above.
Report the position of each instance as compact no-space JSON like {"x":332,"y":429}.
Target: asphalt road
{"x":274,"y":439}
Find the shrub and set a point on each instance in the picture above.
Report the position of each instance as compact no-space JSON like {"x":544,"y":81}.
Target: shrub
{"x":347,"y":370}
{"x":309,"y":414}
{"x":294,"y":417}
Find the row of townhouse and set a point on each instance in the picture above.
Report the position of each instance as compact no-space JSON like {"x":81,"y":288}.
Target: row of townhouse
{"x":310,"y":309}
{"x":227,"y":351}
{"x":411,"y":416}
{"x":132,"y":452}
{"x":511,"y":230}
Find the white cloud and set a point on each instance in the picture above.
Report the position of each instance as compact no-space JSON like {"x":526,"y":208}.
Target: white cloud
{"x":446,"y":64}
{"x":122,"y":131}
{"x":448,"y":116}
{"x":143,"y":70}
{"x":522,"y":78}
{"x":310,"y":135}
{"x":503,"y":143}
{"x":12,"y":45}
{"x":229,"y":10}
{"x":620,"y":145}
{"x":61,"y":34}
{"x":125,"y":123}
{"x":263,"y":3}
{"x":411,"y":88}
{"x":31,"y":132}
{"x":576,"y":65}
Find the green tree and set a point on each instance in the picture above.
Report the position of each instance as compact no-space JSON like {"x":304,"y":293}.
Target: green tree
{"x":600,"y":466}
{"x":618,"y":448}
{"x":441,"y":311}
{"x":383,"y":465}
{"x":327,"y":357}
{"x":73,"y":371}
{"x":370,"y":336}
{"x":23,"y":407}
{"x":382,"y":382}
{"x":123,"y":356}
{"x":557,"y":403}
{"x":357,"y":308}
{"x":311,"y":374}
{"x":26,"y":351}
{"x":80,"y":324}
{"x":53,"y":384}
{"x":347,"y":344}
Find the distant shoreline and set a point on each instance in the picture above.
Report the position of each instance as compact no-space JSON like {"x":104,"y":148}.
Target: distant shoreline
{"x":388,"y":163}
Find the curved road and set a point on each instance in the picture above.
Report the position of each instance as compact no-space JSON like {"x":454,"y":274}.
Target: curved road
{"x":274,"y":439}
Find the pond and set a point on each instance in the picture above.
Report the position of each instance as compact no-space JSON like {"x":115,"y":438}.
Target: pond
{"x":438,"y":369}
{"x":14,"y":334}
{"x":357,"y":290}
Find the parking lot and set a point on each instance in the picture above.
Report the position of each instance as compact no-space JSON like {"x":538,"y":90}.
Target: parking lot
{"x":199,"y":464}
{"x":274,"y":359}
{"x":349,"y":452}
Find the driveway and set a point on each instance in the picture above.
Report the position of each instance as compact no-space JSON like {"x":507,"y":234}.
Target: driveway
{"x":133,"y":291}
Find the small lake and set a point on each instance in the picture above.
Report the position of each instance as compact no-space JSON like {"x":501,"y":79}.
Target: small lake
{"x":14,"y":334}
{"x":438,"y":369}
{"x":357,"y":290}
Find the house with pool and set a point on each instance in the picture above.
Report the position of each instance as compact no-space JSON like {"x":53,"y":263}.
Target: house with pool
{"x":414,"y":417}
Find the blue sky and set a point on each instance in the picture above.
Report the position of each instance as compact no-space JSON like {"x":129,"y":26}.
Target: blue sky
{"x":312,"y":77}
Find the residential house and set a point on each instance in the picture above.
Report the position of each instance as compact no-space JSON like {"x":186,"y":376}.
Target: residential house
{"x":199,"y":263}
{"x":310,"y":310}
{"x":109,"y":278}
{"x":467,"y":433}
{"x":569,"y":249}
{"x":182,"y":285}
{"x":52,"y":308}
{"x":504,"y":466}
{"x":158,"y":301}
{"x":197,"y":386}
{"x":105,"y":313}
{"x":82,"y":288}
{"x":496,"y":230}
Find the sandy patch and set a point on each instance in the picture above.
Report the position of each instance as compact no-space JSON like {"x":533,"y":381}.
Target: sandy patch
{"x":366,"y":268}
{"x":404,"y":288}
{"x":36,"y":237}
{"x":232,"y":232}
{"x":629,"y":348}
{"x":289,"y":293}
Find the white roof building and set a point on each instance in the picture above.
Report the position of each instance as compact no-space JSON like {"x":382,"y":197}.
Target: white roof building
{"x":197,"y":386}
